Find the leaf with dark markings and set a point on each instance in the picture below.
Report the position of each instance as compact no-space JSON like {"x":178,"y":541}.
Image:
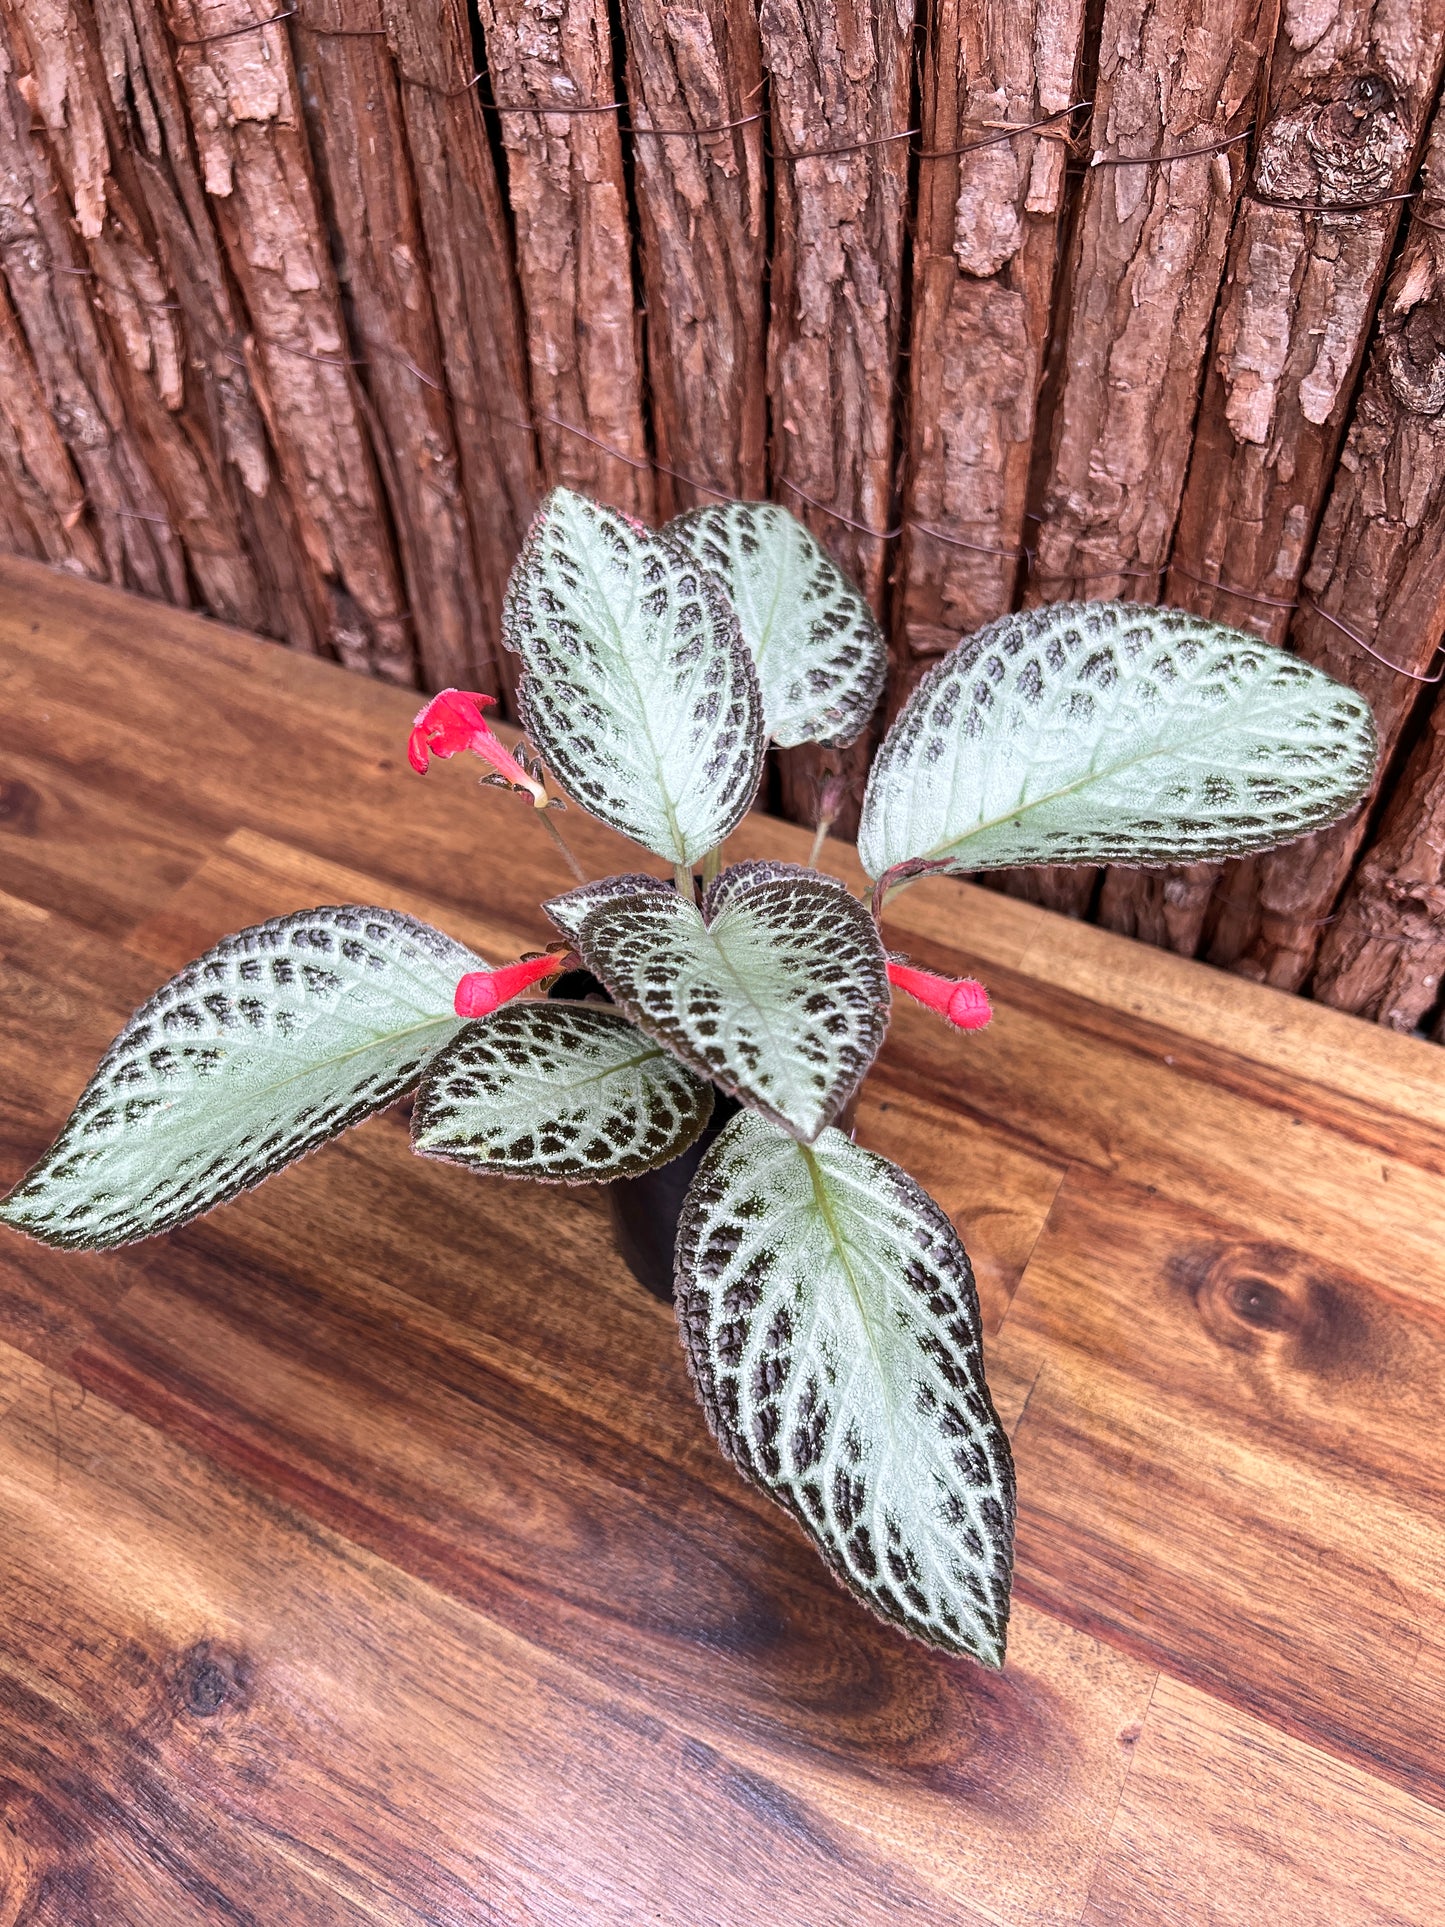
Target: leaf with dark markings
{"x":777,"y":991}
{"x":565,"y":1095}
{"x":270,"y":1044}
{"x":637,"y":687}
{"x":570,"y":912}
{"x":820,"y":654}
{"x":1112,"y":732}
{"x":831,"y":1324}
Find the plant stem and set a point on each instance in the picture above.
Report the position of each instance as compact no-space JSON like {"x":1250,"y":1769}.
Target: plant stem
{"x":682,"y":877}
{"x":820,"y":837}
{"x":557,"y":837}
{"x":711,"y":864}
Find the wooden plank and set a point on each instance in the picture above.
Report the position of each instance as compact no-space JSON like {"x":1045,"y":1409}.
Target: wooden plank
{"x":198,"y":1735}
{"x":1227,"y":1464}
{"x":702,"y":213}
{"x":1225,"y":1821}
{"x":984,"y":259}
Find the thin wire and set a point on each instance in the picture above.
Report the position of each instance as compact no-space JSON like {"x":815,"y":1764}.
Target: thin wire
{"x":1005,"y":134}
{"x":1229,"y":588}
{"x":1345,"y":630}
{"x":1183,"y":154}
{"x":792,"y":154}
{"x":1340,"y":207}
{"x":234,"y":33}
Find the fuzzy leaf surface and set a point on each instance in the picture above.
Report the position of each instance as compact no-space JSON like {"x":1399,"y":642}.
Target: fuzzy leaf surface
{"x":777,"y":991}
{"x":570,"y":912}
{"x":1112,"y":732}
{"x":637,"y":687}
{"x":270,"y":1044}
{"x":830,"y":1320}
{"x":568,"y":1096}
{"x":820,"y":654}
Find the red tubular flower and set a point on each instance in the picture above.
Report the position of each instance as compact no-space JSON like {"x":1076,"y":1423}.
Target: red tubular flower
{"x":962,"y":1000}
{"x":481,"y":991}
{"x":453,"y":722}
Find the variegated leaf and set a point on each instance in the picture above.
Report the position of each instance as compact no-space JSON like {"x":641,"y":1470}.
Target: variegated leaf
{"x":570,"y":912}
{"x":565,"y":1095}
{"x":267,"y":1046}
{"x":1112,"y":732}
{"x":829,"y":1316}
{"x":777,"y":991}
{"x":637,"y":687}
{"x":819,"y":651}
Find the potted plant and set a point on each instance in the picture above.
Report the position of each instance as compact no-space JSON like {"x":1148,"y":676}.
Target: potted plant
{"x":826,"y":1305}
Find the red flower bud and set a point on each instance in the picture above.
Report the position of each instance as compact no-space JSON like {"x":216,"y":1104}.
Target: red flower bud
{"x":453,"y":722}
{"x":962,"y":1000}
{"x":481,"y":991}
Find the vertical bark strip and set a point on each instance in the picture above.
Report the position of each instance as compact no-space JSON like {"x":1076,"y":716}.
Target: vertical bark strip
{"x":1149,"y":256}
{"x":1384,"y":954}
{"x":574,"y":244}
{"x":49,"y":285}
{"x":45,"y":502}
{"x":245,"y":109}
{"x":1350,"y":85}
{"x":350,"y":87}
{"x":1378,"y":566}
{"x":984,"y":258}
{"x":841,"y":75}
{"x":702,"y":208}
{"x":473,"y":288}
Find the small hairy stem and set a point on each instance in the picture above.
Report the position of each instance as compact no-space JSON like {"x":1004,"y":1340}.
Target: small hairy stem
{"x":711,"y":864}
{"x":820,"y":837}
{"x":557,"y":837}
{"x":682,"y":877}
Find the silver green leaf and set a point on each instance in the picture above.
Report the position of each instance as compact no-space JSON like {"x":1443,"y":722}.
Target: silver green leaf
{"x":777,"y":991}
{"x":820,"y":654}
{"x":270,"y":1044}
{"x":570,"y":912}
{"x":1112,"y":732}
{"x":565,"y":1095}
{"x":830,"y":1320}
{"x":637,"y":687}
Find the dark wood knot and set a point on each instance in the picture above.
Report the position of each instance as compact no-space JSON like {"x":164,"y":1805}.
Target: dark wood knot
{"x":209,"y":1679}
{"x":19,"y":807}
{"x":1415,"y":360}
{"x":1345,"y":142}
{"x":1270,"y":1301}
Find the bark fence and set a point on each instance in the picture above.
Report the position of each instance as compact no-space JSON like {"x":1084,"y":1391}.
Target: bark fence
{"x":302,"y":306}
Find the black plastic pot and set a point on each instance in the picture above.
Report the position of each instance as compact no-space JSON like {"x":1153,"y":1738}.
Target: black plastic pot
{"x":645,"y":1210}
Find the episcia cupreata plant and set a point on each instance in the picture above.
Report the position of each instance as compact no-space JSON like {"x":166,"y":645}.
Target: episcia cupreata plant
{"x":826,"y":1305}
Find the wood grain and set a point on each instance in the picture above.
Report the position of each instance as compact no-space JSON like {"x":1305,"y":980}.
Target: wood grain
{"x":368,"y":1558}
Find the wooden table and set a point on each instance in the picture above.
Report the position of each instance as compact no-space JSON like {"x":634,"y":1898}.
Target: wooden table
{"x":365,"y":1556}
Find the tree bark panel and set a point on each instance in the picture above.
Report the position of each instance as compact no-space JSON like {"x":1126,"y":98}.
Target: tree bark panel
{"x":574,"y":243}
{"x":702,"y":206}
